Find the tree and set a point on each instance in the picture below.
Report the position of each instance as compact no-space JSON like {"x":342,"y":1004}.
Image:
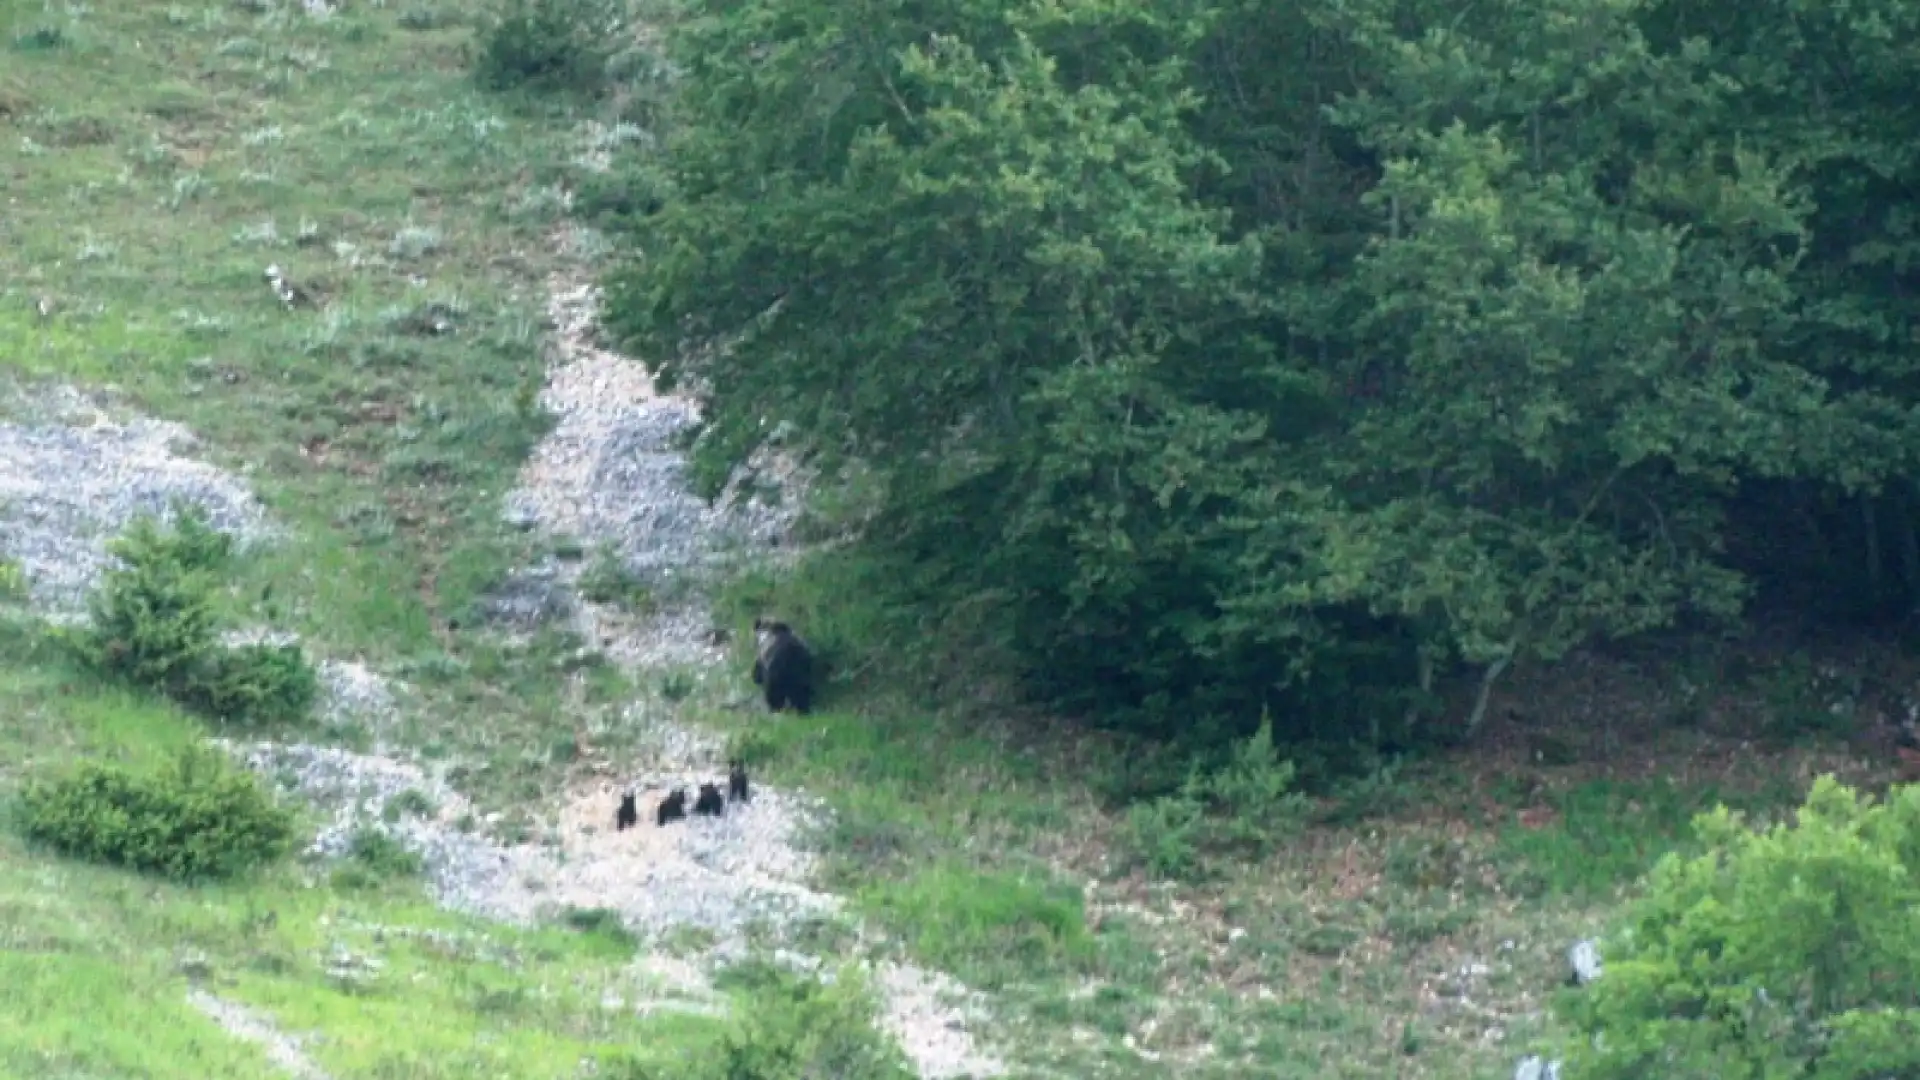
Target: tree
{"x":967,"y":266}
{"x":1225,"y":385}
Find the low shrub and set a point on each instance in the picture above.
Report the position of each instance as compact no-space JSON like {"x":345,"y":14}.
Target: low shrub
{"x":256,"y":683}
{"x":1788,"y":952}
{"x":153,"y":616}
{"x":1245,"y":807}
{"x":155,"y":624}
{"x":200,"y":817}
{"x":549,"y":44}
{"x":376,"y":858}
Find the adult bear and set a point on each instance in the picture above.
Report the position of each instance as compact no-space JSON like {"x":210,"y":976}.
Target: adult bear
{"x":783,"y":667}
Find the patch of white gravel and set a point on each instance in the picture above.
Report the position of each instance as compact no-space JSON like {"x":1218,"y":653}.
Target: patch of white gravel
{"x":351,"y":692}
{"x":719,"y":875}
{"x":74,"y":473}
{"x":715,"y":874}
{"x":237,"y":1020}
{"x":609,"y":474}
{"x":929,"y":1014}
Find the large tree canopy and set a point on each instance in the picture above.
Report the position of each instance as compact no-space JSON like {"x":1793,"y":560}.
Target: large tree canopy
{"x":1232,"y":349}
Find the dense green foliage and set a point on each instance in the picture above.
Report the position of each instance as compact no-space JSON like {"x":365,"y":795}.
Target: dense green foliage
{"x":1207,"y":355}
{"x":1788,"y":952}
{"x":201,"y":817}
{"x":548,"y":44}
{"x":155,"y":623}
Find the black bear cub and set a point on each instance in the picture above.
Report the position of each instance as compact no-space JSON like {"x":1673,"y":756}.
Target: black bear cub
{"x":783,"y":667}
{"x":710,"y":802}
{"x":628,"y":815}
{"x":737,"y":781}
{"x":673,"y":807}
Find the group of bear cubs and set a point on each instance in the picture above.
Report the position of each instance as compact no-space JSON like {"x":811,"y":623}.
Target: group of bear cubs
{"x":783,"y":669}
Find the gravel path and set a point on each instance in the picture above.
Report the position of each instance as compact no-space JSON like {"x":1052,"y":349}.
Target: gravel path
{"x":718,"y":875}
{"x":609,"y":476}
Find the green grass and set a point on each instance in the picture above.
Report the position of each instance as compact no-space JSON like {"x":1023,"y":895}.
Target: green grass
{"x":50,"y":1024}
{"x":392,"y":982}
{"x":1611,"y":832}
{"x":989,"y":928}
{"x":448,"y":997}
{"x":390,"y":182}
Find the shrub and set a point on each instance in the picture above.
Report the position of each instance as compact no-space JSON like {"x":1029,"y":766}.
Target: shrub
{"x":199,"y":818}
{"x":154,"y":624}
{"x":1254,"y":810}
{"x":1788,"y":952}
{"x":256,"y":682}
{"x":550,"y":44}
{"x":1244,"y":806}
{"x":383,"y":854}
{"x":1164,"y":834}
{"x":153,"y":615}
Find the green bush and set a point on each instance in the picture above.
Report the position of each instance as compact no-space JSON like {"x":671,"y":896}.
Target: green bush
{"x":376,"y":858}
{"x":550,"y":44}
{"x":199,"y":818}
{"x":1243,"y":807}
{"x":153,"y":615}
{"x":1785,"y":952}
{"x":790,"y":1028}
{"x":1164,"y":835}
{"x":155,"y":624}
{"x":255,"y":682}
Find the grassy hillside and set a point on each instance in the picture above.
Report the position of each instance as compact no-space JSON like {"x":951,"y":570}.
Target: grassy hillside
{"x":156,"y":158}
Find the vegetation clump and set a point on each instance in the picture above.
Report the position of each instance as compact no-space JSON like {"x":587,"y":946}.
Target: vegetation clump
{"x":552,"y":45}
{"x":200,"y":817}
{"x":1189,"y":381}
{"x":1785,"y":952}
{"x":156,"y":624}
{"x":1244,"y":808}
